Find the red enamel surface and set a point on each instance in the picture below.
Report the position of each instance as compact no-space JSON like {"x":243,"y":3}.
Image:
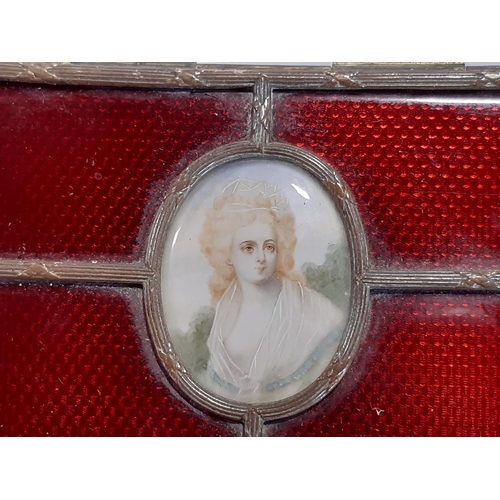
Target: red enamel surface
{"x":425,"y":175}
{"x":82,"y":171}
{"x":430,"y":366}
{"x":72,"y":364}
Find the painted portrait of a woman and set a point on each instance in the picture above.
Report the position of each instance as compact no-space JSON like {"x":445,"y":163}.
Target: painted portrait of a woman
{"x":270,"y":328}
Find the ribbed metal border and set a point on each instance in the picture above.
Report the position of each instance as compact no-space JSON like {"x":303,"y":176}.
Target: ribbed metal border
{"x":198,"y":76}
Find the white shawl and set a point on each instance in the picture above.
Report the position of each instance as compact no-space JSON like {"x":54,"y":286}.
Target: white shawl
{"x":301,"y":320}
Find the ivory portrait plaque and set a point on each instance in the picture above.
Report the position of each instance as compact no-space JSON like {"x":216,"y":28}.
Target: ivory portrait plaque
{"x":256,"y":280}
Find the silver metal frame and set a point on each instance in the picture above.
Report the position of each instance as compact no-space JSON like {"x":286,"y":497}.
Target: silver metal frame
{"x":262,"y":81}
{"x":338,"y":76}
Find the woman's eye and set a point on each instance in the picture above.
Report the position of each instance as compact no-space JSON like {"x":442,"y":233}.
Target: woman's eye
{"x":270,"y":248}
{"x":248,"y":249}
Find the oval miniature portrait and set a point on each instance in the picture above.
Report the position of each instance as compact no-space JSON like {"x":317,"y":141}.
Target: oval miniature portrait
{"x":256,"y":279}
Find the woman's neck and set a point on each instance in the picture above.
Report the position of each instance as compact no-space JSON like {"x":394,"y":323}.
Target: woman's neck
{"x":262,"y":292}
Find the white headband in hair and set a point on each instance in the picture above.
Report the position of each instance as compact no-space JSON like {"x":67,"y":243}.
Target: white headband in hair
{"x":249,"y":188}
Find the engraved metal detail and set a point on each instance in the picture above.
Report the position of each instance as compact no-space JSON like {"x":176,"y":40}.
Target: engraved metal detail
{"x":191,"y":75}
{"x":482,"y":281}
{"x":431,"y":280}
{"x":253,"y":423}
{"x":37,"y":270}
{"x":90,"y":272}
{"x":261,"y":113}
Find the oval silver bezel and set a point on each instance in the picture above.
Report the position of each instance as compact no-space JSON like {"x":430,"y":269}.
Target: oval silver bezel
{"x":249,"y":413}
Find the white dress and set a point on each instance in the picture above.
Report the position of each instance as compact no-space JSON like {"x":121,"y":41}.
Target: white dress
{"x":302,"y":320}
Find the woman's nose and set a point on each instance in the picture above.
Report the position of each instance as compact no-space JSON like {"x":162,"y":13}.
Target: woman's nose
{"x":261,"y":256}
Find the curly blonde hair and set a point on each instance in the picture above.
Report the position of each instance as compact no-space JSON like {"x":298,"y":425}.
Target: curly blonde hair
{"x":222,"y":222}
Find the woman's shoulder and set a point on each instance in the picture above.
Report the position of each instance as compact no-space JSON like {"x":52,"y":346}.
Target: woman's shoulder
{"x":313,"y":301}
{"x":297,"y":287}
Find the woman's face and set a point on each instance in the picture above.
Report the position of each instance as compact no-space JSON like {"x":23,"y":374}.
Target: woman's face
{"x":254,"y":252}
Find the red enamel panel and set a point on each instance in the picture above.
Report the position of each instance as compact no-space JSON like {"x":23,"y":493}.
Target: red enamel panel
{"x":425,"y":171}
{"x":430,"y":366}
{"x":82,"y":171}
{"x":72,"y":364}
